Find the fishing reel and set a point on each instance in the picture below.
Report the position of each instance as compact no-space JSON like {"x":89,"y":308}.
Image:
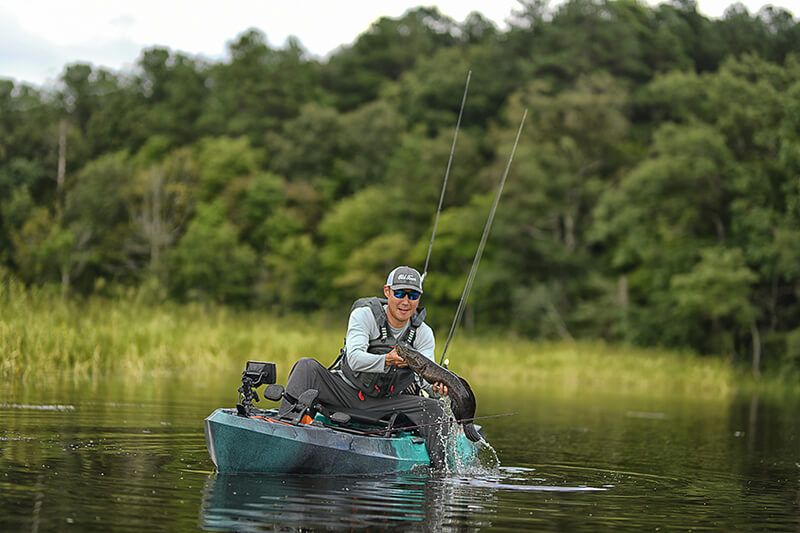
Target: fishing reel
{"x":255,"y":374}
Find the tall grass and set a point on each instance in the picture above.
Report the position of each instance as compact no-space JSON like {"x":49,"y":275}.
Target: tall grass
{"x":43,"y":335}
{"x":591,"y":366}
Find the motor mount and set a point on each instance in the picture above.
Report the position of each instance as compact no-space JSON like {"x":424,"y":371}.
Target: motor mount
{"x":255,"y":374}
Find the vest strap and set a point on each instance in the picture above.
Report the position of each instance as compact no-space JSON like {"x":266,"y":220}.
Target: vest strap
{"x":377,"y":384}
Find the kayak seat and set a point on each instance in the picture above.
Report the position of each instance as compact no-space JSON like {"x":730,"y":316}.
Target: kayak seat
{"x":391,"y":423}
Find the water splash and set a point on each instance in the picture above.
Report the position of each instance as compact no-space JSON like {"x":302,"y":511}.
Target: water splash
{"x":487,"y":455}
{"x":464,"y":457}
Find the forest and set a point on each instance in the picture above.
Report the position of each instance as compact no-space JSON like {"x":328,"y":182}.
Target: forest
{"x":654,"y":198}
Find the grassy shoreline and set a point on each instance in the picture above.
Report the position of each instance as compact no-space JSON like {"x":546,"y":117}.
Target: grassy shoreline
{"x":89,"y":339}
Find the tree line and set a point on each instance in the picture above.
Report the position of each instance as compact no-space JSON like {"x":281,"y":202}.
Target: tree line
{"x":654,"y":198}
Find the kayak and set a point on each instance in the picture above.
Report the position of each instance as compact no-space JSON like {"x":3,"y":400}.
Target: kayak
{"x":262,"y":443}
{"x":313,"y":439}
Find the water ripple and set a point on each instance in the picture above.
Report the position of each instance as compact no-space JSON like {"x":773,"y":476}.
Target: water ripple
{"x":37,"y":407}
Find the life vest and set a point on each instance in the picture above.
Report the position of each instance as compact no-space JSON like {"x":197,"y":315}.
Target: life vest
{"x":394,"y":380}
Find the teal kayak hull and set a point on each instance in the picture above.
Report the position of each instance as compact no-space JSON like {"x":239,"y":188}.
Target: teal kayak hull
{"x":264,"y":445}
{"x":242,"y":444}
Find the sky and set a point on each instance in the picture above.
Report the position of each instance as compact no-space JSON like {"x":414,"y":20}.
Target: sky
{"x":39,"y":37}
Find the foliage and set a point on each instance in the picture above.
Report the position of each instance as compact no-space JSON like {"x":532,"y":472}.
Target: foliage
{"x":209,"y":262}
{"x":653,"y":200}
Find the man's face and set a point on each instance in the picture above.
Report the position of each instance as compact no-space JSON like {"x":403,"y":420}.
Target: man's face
{"x":399,"y":309}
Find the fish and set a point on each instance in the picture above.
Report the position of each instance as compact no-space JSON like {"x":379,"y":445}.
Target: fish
{"x":462,"y":399}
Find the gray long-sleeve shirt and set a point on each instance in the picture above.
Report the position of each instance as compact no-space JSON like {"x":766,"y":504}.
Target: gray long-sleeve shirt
{"x":361,"y":327}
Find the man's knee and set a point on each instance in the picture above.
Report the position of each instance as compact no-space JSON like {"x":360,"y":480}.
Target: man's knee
{"x":304,"y":373}
{"x":306,"y":365}
{"x":306,"y":362}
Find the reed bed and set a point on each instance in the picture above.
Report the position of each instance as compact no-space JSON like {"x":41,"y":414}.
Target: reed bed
{"x":573,"y":367}
{"x":41,"y":333}
{"x":81,"y":339}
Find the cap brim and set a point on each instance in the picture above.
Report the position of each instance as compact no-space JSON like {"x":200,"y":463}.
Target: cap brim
{"x":406,"y":286}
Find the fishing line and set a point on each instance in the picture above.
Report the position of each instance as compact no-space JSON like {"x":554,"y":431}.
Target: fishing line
{"x":484,"y":237}
{"x":446,"y":175}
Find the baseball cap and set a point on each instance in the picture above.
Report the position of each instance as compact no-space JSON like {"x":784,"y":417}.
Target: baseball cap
{"x":404,"y":277}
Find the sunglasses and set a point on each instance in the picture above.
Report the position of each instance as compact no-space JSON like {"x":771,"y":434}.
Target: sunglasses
{"x":402,"y":293}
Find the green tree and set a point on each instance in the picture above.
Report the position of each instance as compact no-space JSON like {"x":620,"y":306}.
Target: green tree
{"x":209,"y":262}
{"x":369,"y":137}
{"x":457,"y":238}
{"x":17,"y":179}
{"x":222,"y":159}
{"x":353,"y":221}
{"x":163,"y":200}
{"x":364,"y":270}
{"x":173,"y":95}
{"x":28,"y":123}
{"x":307,"y":146}
{"x":718,"y":289}
{"x":253,"y":204}
{"x":696,"y":34}
{"x":665,"y":209}
{"x":291,"y":278}
{"x":115,"y":121}
{"x":45,"y":251}
{"x":97,"y":211}
{"x":573,"y":142}
{"x":258,"y":89}
{"x":580,"y":37}
{"x":430,"y":93}
{"x":415,"y":172}
{"x":355,"y":74}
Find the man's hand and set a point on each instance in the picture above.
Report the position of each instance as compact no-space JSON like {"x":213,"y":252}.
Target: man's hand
{"x":392,"y":359}
{"x":440,"y":388}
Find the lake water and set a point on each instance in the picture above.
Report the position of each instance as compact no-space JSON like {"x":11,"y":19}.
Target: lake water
{"x":132,"y":457}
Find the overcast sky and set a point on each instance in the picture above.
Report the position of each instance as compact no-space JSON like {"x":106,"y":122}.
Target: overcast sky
{"x":39,"y":37}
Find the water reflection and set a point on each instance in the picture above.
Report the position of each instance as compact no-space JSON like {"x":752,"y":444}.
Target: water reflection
{"x":423,"y":500}
{"x":254,"y":503}
{"x":135,"y":460}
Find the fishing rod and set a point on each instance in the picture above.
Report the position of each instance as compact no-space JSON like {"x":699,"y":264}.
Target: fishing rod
{"x":446,"y":175}
{"x":481,"y":245}
{"x":442,"y":422}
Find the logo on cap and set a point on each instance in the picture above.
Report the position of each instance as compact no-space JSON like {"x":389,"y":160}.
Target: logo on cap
{"x":404,"y":277}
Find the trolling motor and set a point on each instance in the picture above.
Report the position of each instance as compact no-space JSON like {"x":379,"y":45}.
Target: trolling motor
{"x":255,"y":374}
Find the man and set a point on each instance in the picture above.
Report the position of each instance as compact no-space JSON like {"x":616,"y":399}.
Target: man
{"x":369,"y":375}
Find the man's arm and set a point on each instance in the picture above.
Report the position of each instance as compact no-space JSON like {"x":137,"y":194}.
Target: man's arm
{"x":359,"y":328}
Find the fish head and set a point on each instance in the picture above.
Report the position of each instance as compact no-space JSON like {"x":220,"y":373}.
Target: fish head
{"x":409,"y":354}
